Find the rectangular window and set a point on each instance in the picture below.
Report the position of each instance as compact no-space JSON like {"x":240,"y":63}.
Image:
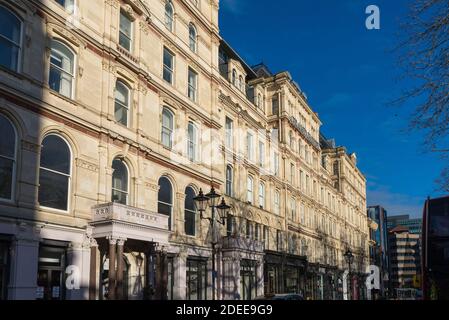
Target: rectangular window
{"x":230,"y":225}
{"x":261,"y":195}
{"x":303,"y":213}
{"x":302,"y":181}
{"x":7,"y":164}
{"x":249,"y":229}
{"x":125,"y":34}
{"x":168,"y":66}
{"x":61,"y":69}
{"x":261,"y":154}
{"x":336,"y":168}
{"x":250,"y":146}
{"x":193,"y":84}
{"x":229,"y":127}
{"x":292,"y":174}
{"x":278,"y":240}
{"x":67,"y":4}
{"x":266,"y":237}
{"x":196,"y":278}
{"x":250,"y":190}
{"x":276,"y":163}
{"x":293,"y":209}
{"x":189,"y":223}
{"x":275,"y":106}
{"x":307,"y":185}
{"x":276,"y":202}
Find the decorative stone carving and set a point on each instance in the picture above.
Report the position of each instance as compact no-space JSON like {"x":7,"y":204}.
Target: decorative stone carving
{"x":87,"y":165}
{"x":129,"y":11}
{"x":30,"y":146}
{"x":144,"y":26}
{"x":113,"y":3}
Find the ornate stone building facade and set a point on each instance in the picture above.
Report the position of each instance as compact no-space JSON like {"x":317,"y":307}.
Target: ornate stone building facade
{"x":114,"y":114}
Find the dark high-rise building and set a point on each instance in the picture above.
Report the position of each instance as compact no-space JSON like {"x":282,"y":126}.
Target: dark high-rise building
{"x":412,"y":224}
{"x":379,"y":249}
{"x":435,"y":249}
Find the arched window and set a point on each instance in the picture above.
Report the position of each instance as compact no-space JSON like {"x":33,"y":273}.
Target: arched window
{"x":62,"y":69}
{"x":241,"y":86}
{"x":189,"y":213}
{"x":8,"y":153}
{"x":165,"y":199}
{"x":122,"y":103}
{"x":167,"y":128}
{"x":10,"y":39}
{"x":120,"y":182}
{"x":262,"y":195}
{"x":192,"y":37}
{"x":192,"y":142}
{"x":55,"y":173}
{"x":234,"y":77}
{"x":250,"y":188}
{"x":229,"y":180}
{"x":169,"y":15}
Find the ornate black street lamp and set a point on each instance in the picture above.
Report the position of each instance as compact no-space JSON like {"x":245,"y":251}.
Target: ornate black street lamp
{"x":202,"y":202}
{"x":349,"y":257}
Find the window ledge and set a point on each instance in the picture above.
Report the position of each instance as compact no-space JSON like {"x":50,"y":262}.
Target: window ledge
{"x":13,"y":73}
{"x":127,"y":54}
{"x":63,"y":97}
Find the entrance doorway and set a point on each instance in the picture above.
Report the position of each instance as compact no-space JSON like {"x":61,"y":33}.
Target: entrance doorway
{"x":51,"y":275}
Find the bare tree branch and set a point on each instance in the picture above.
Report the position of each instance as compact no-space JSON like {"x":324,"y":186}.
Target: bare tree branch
{"x":424,"y":58}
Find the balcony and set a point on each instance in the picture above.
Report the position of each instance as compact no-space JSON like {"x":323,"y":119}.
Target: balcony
{"x":304,"y":132}
{"x":122,"y":221}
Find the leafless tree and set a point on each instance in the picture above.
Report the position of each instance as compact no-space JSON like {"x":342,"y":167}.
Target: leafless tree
{"x":424,"y":57}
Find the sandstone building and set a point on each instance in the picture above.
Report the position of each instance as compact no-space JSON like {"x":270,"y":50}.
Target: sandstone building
{"x":114,"y":114}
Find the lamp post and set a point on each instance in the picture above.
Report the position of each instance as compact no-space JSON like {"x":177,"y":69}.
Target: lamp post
{"x":349,"y":257}
{"x":211,"y":199}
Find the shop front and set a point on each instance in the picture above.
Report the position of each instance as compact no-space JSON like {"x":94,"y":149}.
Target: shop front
{"x":241,"y":268}
{"x":284,"y":273}
{"x":330,"y":282}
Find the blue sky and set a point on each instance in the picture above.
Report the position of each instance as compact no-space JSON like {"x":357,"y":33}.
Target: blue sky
{"x":349,"y":75}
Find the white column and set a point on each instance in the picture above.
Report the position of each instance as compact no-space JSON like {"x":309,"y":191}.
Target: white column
{"x":24,"y":265}
{"x":179,"y":270}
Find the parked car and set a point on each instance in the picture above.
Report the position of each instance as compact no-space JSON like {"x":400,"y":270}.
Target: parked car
{"x":284,"y":296}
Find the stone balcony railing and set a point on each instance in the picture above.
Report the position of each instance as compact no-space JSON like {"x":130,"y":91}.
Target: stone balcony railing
{"x":123,"y":213}
{"x":242,"y":243}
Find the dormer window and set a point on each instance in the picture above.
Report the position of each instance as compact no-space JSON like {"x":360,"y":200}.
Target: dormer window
{"x":241,"y":84}
{"x":234,"y":77}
